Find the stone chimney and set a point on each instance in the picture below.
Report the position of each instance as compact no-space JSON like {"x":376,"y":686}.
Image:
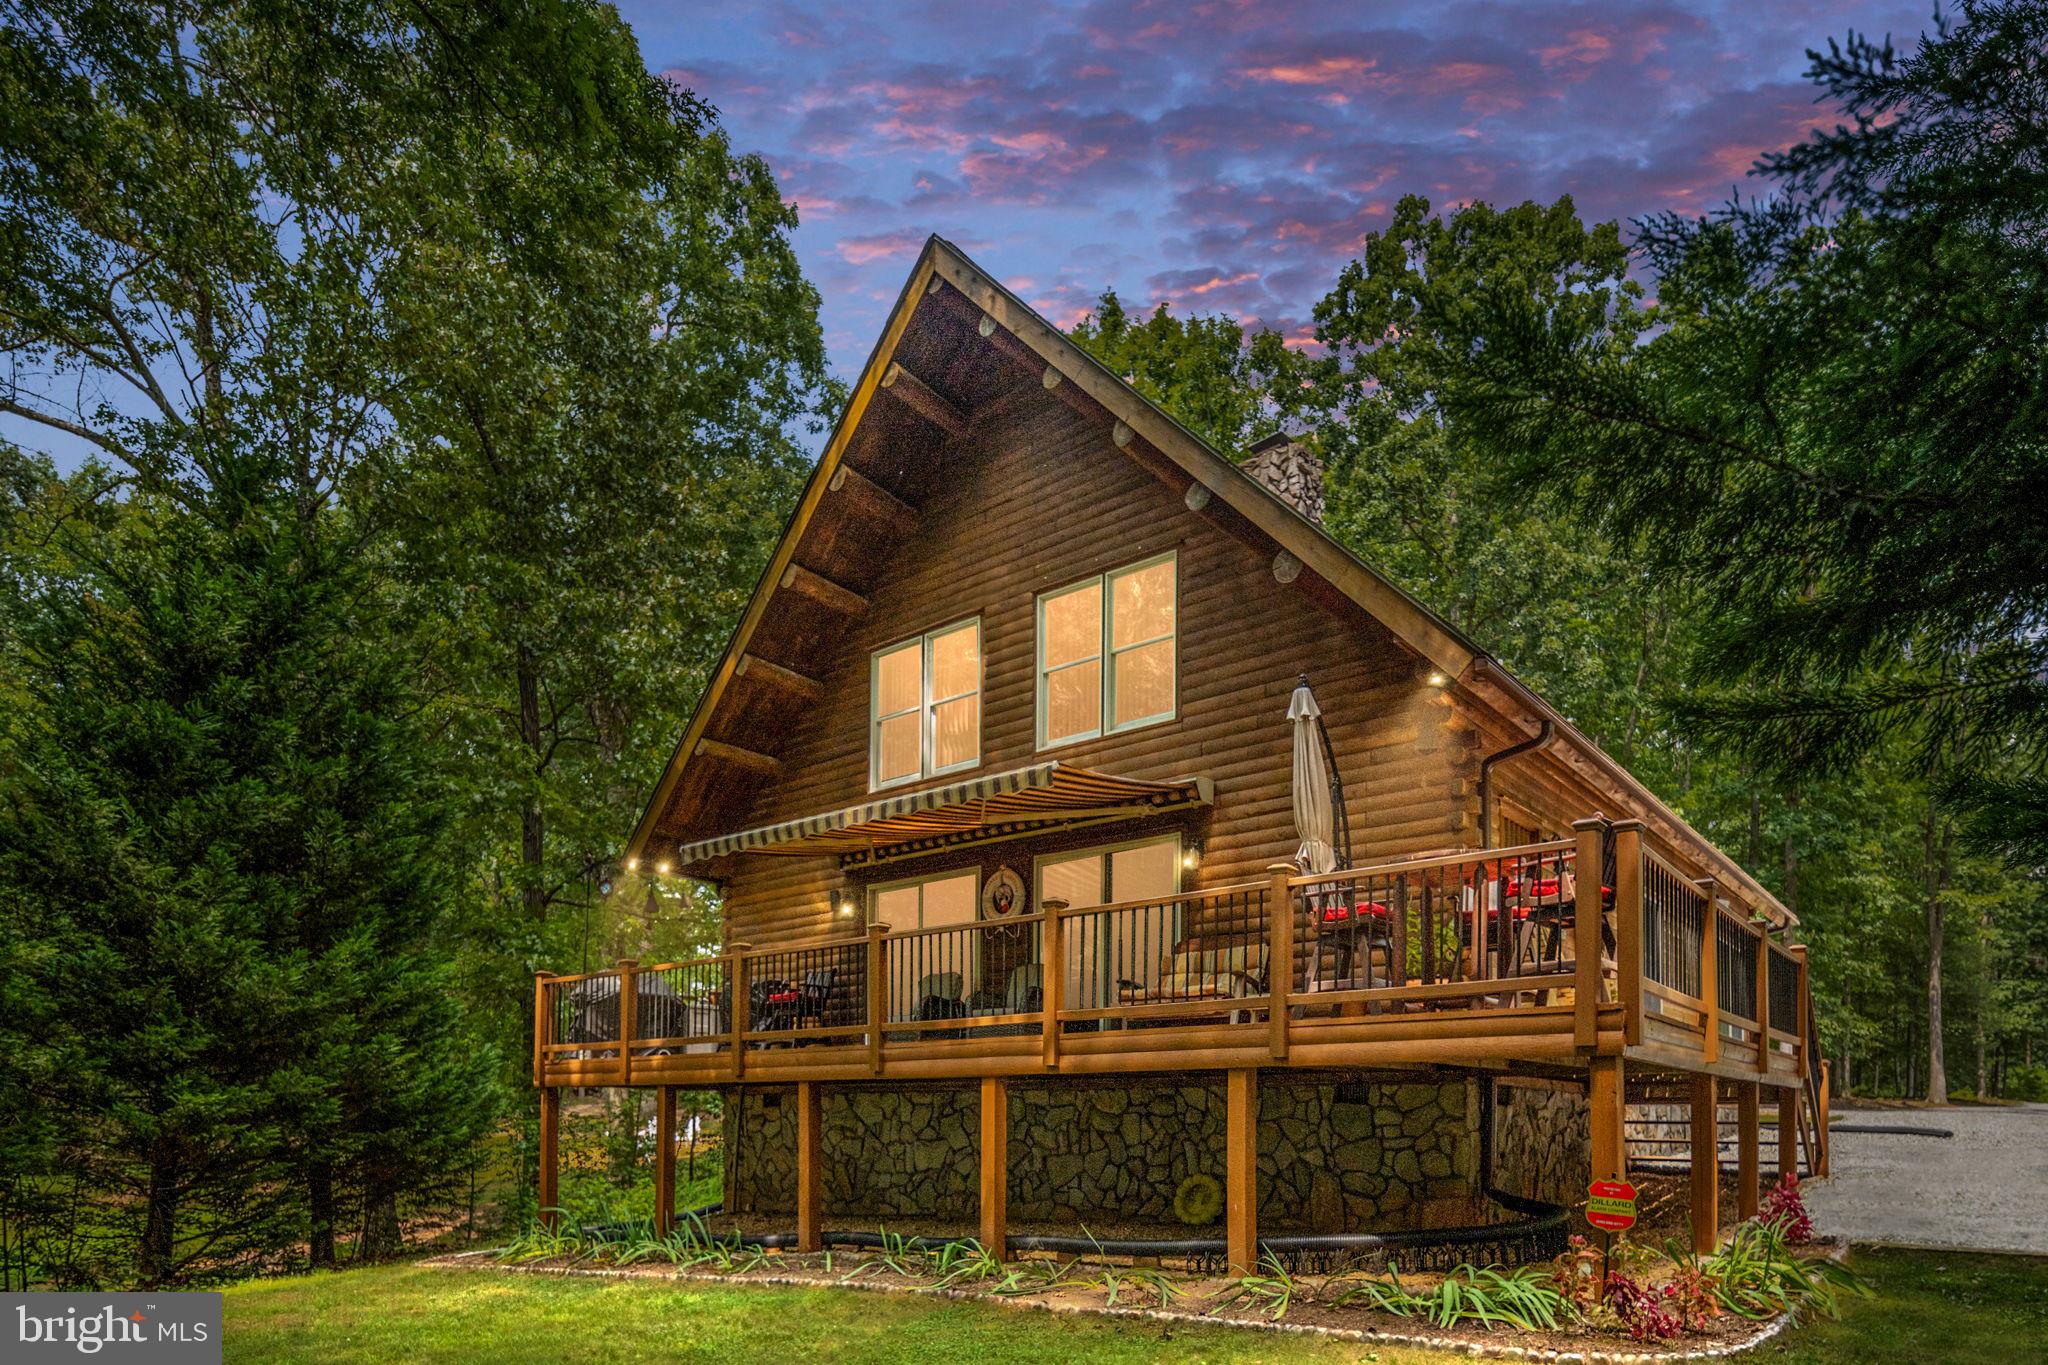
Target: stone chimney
{"x":1289,"y":467}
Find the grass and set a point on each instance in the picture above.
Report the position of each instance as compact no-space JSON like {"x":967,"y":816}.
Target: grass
{"x":1930,"y":1308}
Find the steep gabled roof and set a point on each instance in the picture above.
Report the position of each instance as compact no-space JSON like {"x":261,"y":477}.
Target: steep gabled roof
{"x":934,"y":360}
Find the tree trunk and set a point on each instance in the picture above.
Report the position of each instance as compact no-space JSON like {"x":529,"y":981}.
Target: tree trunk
{"x":160,"y":1221}
{"x":1936,"y":876}
{"x":382,"y":1239}
{"x":320,"y":1206}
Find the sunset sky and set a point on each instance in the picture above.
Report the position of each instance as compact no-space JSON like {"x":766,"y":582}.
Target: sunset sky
{"x":1224,"y":155}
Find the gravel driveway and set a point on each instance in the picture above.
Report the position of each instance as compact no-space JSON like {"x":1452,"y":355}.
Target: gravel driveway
{"x":1986,"y":1188}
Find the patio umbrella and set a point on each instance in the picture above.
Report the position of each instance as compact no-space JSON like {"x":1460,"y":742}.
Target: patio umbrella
{"x":1313,"y":819}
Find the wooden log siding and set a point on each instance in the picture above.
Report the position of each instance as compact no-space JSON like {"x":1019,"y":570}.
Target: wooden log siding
{"x":1049,"y":503}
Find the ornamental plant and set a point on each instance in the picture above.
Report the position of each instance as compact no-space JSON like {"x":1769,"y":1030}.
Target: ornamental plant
{"x":1649,"y":1312}
{"x":1786,"y":1207}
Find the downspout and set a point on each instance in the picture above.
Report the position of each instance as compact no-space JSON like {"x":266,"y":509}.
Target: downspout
{"x":1536,"y":741}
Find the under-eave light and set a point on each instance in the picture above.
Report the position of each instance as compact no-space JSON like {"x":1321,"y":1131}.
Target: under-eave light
{"x":662,"y":869}
{"x":632,"y":864}
{"x":1438,"y":680}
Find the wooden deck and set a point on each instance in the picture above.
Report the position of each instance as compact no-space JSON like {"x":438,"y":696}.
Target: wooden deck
{"x":1637,"y":968}
{"x":1597,"y":958}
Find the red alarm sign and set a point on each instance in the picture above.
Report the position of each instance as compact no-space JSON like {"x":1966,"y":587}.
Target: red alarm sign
{"x":1611,"y":1205}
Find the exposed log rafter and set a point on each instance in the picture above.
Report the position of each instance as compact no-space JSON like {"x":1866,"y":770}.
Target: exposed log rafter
{"x":822,"y":590}
{"x":875,"y":500}
{"x":751,"y":759}
{"x":1049,"y":376}
{"x":760,"y":670}
{"x":922,"y":399}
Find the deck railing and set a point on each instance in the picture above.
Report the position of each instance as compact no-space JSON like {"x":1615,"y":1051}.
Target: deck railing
{"x":1514,"y":943}
{"x":963,"y":981}
{"x":1146,"y":962}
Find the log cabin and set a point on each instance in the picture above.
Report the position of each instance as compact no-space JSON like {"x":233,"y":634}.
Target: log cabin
{"x":1002,"y":781}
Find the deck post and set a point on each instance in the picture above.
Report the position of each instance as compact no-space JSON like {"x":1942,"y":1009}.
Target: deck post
{"x":1586,"y":933}
{"x":1747,"y":1162}
{"x":1607,"y":1103}
{"x":740,"y":992}
{"x":1052,"y":984}
{"x":1279,"y":954}
{"x":1788,"y":1131}
{"x":1241,"y":1169}
{"x":541,"y":1029}
{"x":629,"y":1002}
{"x":1763,"y":1001}
{"x":1802,"y":1020}
{"x":550,"y":1155}
{"x":810,"y":1168}
{"x":1628,"y":926}
{"x":664,"y":1160}
{"x":995,"y":1166}
{"x":1706,"y":1164}
{"x":1710,"y":972}
{"x":878,"y":992}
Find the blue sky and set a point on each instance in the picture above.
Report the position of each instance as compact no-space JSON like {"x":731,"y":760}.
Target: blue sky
{"x":1225,"y":156}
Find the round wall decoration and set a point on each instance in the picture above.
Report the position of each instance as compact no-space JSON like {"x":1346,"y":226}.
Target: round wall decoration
{"x":1002,"y":895}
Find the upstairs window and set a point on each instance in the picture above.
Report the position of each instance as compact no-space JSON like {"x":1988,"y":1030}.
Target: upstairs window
{"x":924,"y":708}
{"x":1106,"y":653}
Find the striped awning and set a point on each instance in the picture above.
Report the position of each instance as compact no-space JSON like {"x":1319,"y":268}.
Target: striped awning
{"x":1043,"y":794}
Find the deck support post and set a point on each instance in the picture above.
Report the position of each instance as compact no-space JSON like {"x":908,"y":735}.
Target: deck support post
{"x":1710,"y":972}
{"x":664,"y":1160}
{"x":629,"y":1021}
{"x":1241,"y":1169}
{"x":1607,"y":1103}
{"x":1628,"y":926}
{"x":1788,"y":1131}
{"x":995,"y":1166}
{"x":810,"y":1168}
{"x":1279,"y":956}
{"x":1592,"y":837}
{"x":550,"y":1156}
{"x":1706,"y":1164}
{"x":543,"y":1033}
{"x":1052,"y":977}
{"x":1747,"y":1164}
{"x":1763,"y":1001}
{"x":740,"y":991}
{"x":878,"y":992}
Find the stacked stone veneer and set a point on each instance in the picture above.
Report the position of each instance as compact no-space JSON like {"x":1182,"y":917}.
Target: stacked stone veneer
{"x":1542,"y":1142}
{"x":1334,"y":1155}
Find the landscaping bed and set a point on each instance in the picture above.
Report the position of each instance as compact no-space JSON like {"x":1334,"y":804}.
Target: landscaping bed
{"x":1657,"y":1296}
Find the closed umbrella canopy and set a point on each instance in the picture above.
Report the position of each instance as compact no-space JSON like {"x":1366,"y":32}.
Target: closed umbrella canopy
{"x":1313,"y":818}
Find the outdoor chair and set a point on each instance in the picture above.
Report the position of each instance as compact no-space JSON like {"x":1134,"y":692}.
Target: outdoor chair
{"x":1198,"y":969}
{"x":1024,"y":994}
{"x":938,"y":997}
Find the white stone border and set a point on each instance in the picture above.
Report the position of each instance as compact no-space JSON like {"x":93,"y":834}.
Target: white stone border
{"x":1454,"y":1345}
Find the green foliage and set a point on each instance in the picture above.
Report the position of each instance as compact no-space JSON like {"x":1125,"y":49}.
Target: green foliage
{"x":1228,"y":388}
{"x":1757,"y":1274}
{"x":445,"y":366}
{"x":1272,"y":1290}
{"x":1527,"y":1298}
{"x":963,"y":1263}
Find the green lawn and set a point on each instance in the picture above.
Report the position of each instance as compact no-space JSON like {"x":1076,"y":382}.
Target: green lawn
{"x":1930,"y":1308}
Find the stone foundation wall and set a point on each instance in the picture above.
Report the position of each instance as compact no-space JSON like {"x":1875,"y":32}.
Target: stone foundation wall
{"x":1542,"y":1142}
{"x":1334,"y":1154}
